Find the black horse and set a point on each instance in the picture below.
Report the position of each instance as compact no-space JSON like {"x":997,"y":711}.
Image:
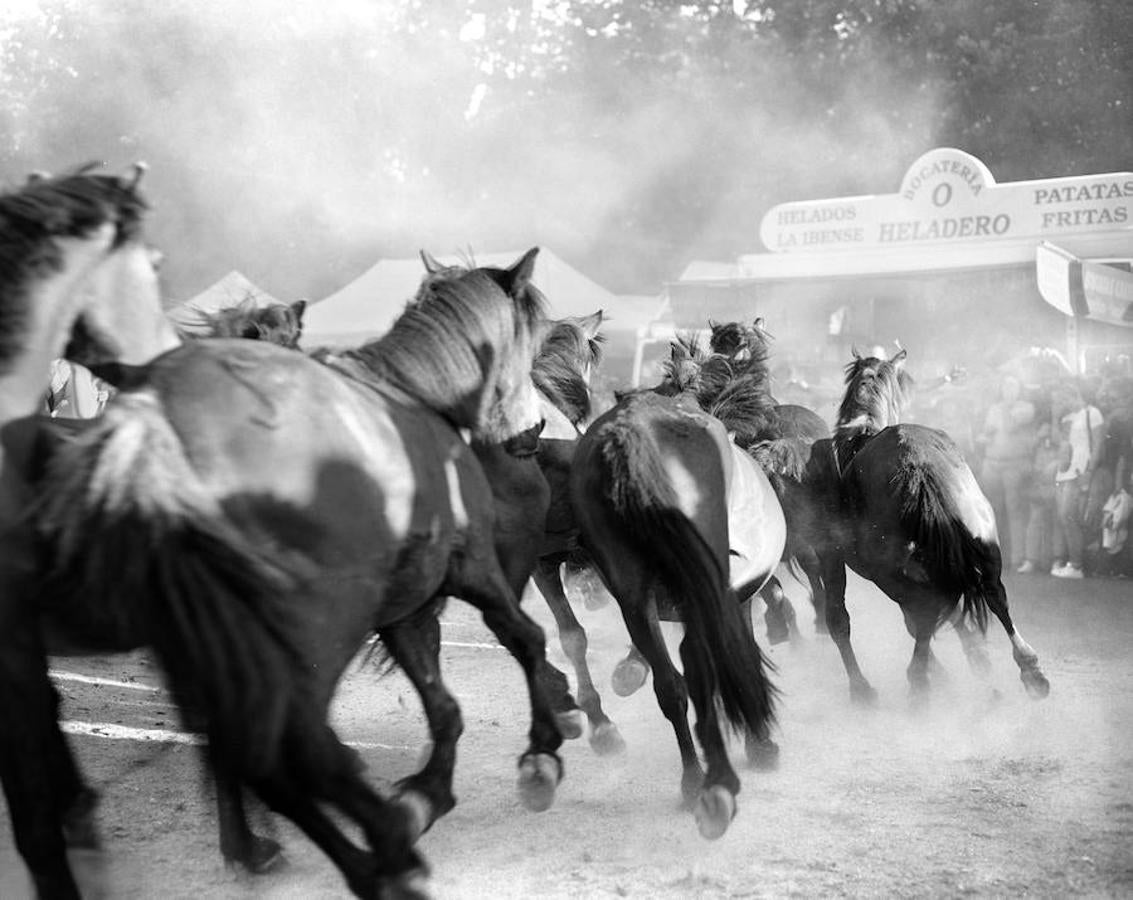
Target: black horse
{"x":904,"y":511}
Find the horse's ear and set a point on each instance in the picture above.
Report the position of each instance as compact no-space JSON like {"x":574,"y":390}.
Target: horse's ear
{"x":519,"y":275}
{"x":430,"y":261}
{"x":854,"y":351}
{"x":898,"y":358}
{"x":38,"y":175}
{"x":140,"y":169}
{"x":298,"y":308}
{"x":591,"y":323}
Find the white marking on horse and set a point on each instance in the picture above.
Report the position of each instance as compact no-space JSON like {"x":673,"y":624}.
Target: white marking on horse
{"x":455,"y":498}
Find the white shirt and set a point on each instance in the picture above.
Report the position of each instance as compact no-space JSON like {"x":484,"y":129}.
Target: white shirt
{"x":1081,"y":441}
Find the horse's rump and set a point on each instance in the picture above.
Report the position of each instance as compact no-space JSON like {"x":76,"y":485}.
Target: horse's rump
{"x":138,"y":552}
{"x":917,"y":476}
{"x":661,"y":474}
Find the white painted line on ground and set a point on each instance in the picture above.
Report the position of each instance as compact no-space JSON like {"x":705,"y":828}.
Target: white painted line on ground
{"x":125,"y":733}
{"x":94,"y":679}
{"x":162,"y":735}
{"x":473,"y":646}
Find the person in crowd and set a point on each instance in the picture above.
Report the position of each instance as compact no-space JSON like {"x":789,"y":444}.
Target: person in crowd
{"x":74,"y":392}
{"x":1043,"y":532}
{"x":1008,"y":444}
{"x":1114,"y":556}
{"x":1084,"y":429}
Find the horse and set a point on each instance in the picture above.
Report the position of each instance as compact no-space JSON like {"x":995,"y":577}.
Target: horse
{"x":782,"y":444}
{"x":292,"y":508}
{"x":658,"y":491}
{"x":905,"y":512}
{"x":76,"y":281}
{"x":528,"y":523}
{"x":562,"y":369}
{"x":277,"y":323}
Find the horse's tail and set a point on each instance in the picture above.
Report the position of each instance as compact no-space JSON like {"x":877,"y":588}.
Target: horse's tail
{"x":719,"y":642}
{"x":951,"y":554}
{"x":138,"y":550}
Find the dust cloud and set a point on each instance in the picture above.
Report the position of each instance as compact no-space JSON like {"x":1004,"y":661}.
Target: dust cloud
{"x":298,"y":144}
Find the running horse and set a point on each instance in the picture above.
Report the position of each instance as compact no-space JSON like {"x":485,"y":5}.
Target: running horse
{"x":656,"y":485}
{"x":290,"y":509}
{"x":905,"y":511}
{"x":277,"y":323}
{"x":782,"y":444}
{"x":74,"y":273}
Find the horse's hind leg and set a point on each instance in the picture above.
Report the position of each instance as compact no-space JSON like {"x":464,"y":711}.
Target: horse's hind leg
{"x":540,"y":768}
{"x":762,"y":751}
{"x":974,"y":643}
{"x":381,"y":873}
{"x":779,"y":615}
{"x":1031,"y":674}
{"x":239,"y":845}
{"x":640,"y":614}
{"x":604,"y":736}
{"x":716,"y":800}
{"x":415,"y":647}
{"x":838,"y":624}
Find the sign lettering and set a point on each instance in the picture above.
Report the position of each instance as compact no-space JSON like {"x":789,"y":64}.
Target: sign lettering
{"x":949,"y":195}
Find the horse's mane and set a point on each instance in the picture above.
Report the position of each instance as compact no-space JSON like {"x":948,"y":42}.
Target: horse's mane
{"x":557,"y":371}
{"x":32,"y":219}
{"x":278,"y":323}
{"x":461,"y":326}
{"x":733,"y":387}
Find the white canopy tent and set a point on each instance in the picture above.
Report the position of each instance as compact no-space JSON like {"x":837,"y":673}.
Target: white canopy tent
{"x":231,"y":290}
{"x":366,"y":307}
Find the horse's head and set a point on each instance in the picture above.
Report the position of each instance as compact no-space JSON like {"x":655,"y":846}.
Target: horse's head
{"x":465,"y":346}
{"x":82,"y":232}
{"x":681,"y":371}
{"x":512,"y":406}
{"x":877,"y":389}
{"x":570,"y":351}
{"x":276,"y":323}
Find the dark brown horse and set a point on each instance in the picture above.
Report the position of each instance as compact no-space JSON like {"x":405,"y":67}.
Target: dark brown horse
{"x":292,"y":508}
{"x":905,"y":511}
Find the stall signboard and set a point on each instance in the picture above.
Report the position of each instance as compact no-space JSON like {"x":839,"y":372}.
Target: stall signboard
{"x":949,"y":196}
{"x":1083,"y":288}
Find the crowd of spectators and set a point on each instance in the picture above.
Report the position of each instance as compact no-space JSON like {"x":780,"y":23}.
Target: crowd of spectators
{"x":1055,"y":458}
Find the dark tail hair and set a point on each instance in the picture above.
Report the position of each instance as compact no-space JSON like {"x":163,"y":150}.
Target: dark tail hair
{"x":135,"y":548}
{"x":952,"y":554}
{"x":642,"y":497}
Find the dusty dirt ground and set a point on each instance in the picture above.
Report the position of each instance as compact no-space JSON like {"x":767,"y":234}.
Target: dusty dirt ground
{"x":986,"y":793}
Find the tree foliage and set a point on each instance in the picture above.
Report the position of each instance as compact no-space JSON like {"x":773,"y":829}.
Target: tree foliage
{"x":631,"y":136}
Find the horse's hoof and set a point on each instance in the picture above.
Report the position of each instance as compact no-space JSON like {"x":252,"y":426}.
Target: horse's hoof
{"x":629,"y":676}
{"x":265,"y":856}
{"x":411,"y":885}
{"x":539,"y":775}
{"x":1036,"y":683}
{"x":763,"y":755}
{"x":418,"y":811}
{"x":778,"y":633}
{"x":262,"y":857}
{"x":570,"y":724}
{"x":863,"y":695}
{"x":714,"y":812}
{"x":606,"y":740}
